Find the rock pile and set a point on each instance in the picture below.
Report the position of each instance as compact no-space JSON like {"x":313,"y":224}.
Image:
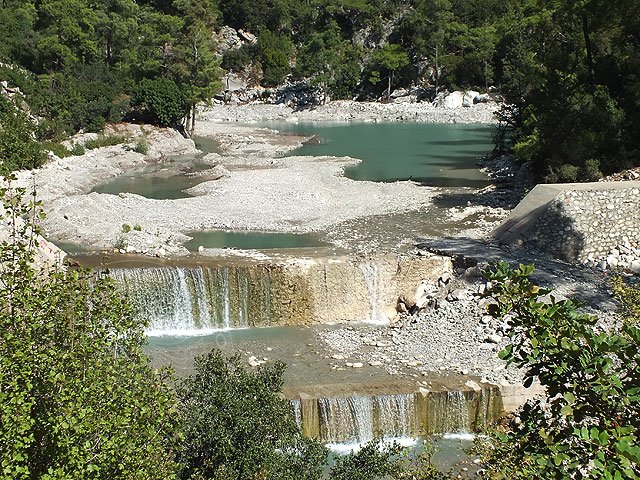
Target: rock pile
{"x":449,"y":332}
{"x":625,"y":257}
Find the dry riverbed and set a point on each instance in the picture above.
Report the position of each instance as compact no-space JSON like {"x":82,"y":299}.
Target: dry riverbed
{"x":255,"y":187}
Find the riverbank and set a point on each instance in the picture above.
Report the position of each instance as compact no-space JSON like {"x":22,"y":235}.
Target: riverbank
{"x":351,"y":111}
{"x":249,"y":186}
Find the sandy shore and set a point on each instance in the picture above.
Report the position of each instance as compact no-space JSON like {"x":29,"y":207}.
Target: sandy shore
{"x":260,"y":189}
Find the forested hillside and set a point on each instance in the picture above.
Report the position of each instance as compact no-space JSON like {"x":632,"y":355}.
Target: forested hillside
{"x":570,"y":70}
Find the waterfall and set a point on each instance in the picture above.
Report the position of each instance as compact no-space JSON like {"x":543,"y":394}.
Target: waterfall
{"x":448,"y":412}
{"x":371,"y":278}
{"x":199,"y":300}
{"x":297,"y":412}
{"x":359,"y":419}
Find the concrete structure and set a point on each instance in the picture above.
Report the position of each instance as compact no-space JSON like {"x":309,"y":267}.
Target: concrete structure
{"x":577,"y":222}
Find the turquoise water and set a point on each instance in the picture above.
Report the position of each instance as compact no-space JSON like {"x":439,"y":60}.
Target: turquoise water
{"x":442,"y":155}
{"x":250,"y":240}
{"x":166,"y":180}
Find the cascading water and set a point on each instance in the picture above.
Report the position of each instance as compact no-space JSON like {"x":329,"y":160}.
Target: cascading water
{"x":361,"y":418}
{"x":188,"y":301}
{"x":371,"y":278}
{"x":448,"y":412}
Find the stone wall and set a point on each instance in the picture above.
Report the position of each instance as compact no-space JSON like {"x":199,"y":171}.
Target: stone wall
{"x":593,"y":223}
{"x":587,"y":225}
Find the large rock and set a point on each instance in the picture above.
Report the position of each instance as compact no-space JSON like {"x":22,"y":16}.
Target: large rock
{"x":300,"y":95}
{"x":453,"y":100}
{"x":228,"y":39}
{"x":469,"y":98}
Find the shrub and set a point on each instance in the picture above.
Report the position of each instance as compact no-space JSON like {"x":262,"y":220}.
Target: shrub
{"x":78,"y":397}
{"x":159,"y":101}
{"x":126,"y":228}
{"x":587,"y":426}
{"x":77,"y":149}
{"x":142,"y":146}
{"x":18,"y":147}
{"x":57,"y":148}
{"x":236,"y":426}
{"x":105,"y":141}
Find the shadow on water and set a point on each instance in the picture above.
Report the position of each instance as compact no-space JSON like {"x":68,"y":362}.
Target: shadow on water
{"x":452,"y":182}
{"x":479,"y":141}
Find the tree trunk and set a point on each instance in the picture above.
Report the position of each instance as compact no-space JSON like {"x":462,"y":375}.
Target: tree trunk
{"x":589,"y":48}
{"x":389,"y":86}
{"x":193,"y":120}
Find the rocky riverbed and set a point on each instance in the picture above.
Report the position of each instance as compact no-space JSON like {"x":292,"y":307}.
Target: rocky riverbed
{"x":249,"y":186}
{"x":346,"y":111}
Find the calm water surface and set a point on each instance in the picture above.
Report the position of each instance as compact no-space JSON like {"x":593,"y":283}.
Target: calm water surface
{"x":441,"y":155}
{"x":250,"y":240}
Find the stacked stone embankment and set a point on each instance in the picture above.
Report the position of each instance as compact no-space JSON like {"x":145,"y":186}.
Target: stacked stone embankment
{"x":595,"y":223}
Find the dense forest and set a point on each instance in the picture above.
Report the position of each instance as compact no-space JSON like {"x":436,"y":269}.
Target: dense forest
{"x":569,"y":70}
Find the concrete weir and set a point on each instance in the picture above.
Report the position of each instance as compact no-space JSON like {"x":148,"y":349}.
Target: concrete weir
{"x":360,"y":418}
{"x":298,"y":291}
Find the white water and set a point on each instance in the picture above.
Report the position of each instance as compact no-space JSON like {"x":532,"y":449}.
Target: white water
{"x":360,"y":419}
{"x":180,"y":301}
{"x":372,"y":281}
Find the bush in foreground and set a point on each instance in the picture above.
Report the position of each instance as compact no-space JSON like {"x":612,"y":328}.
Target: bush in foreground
{"x":78,"y":398}
{"x":587,"y":426}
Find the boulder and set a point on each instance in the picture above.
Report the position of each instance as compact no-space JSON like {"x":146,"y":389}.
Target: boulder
{"x":228,"y":39}
{"x":635,"y":267}
{"x":425,"y":295}
{"x":488,"y":98}
{"x":453,"y":100}
{"x":247,"y":36}
{"x":469,"y":97}
{"x":300,"y":95}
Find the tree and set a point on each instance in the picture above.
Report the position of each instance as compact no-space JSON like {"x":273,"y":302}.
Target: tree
{"x":78,"y":398}
{"x":387,"y":60}
{"x":330,"y":62}
{"x":66,"y":34}
{"x":587,"y":426}
{"x":159,"y":101}
{"x":236,"y":425}
{"x":275,"y":51}
{"x":195,"y":65}
{"x":18,"y":147}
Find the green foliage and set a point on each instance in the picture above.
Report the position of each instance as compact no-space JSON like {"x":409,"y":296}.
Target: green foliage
{"x":18,"y":147}
{"x":57,"y":148}
{"x":105,"y":141}
{"x":236,"y":426}
{"x":77,"y":149}
{"x":141,"y":146}
{"x":375,"y":460}
{"x":628,"y":295}
{"x":78,"y":398}
{"x":331,"y":62}
{"x":587,"y":427}
{"x":275,"y":51}
{"x":566,"y":66}
{"x":126,"y":228}
{"x":235,"y":60}
{"x":159,"y":101}
{"x":385,"y":61}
